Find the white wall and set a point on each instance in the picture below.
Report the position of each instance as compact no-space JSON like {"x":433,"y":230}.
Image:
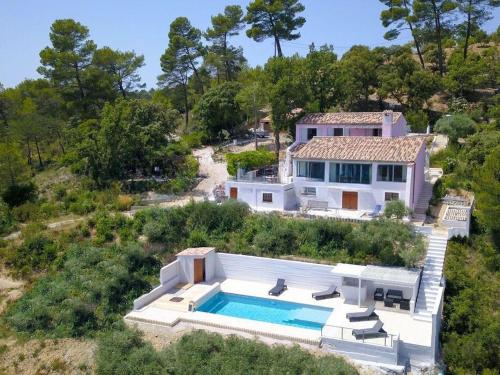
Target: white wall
{"x":251,"y":193}
{"x":266,"y":270}
{"x":369,"y":195}
{"x":169,"y":271}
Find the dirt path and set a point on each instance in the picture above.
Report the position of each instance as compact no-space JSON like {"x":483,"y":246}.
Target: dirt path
{"x":216,"y":173}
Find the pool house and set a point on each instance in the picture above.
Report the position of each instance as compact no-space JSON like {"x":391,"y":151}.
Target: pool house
{"x":364,"y":312}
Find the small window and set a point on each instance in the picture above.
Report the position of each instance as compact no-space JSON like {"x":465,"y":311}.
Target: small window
{"x":311,"y":132}
{"x":391,"y":197}
{"x":267,"y":197}
{"x":377,"y":132}
{"x":309,"y":191}
{"x":338,"y":132}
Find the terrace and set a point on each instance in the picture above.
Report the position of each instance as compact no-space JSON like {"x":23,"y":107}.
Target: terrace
{"x":200,"y":274}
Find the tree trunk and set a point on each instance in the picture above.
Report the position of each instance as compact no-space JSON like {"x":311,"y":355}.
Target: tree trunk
{"x":38,"y":153}
{"x":437,"y":24}
{"x":79,"y":81}
{"x":469,"y":26}
{"x":278,"y":46}
{"x":122,"y":90}
{"x":277,"y":143}
{"x":30,"y":159}
{"x":186,"y":106}
{"x":59,"y":140}
{"x":415,"y":40}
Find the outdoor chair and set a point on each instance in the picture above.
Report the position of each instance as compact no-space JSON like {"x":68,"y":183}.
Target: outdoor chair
{"x":379,"y":294}
{"x":329,"y":293}
{"x":375,"y":331}
{"x":388,"y":302}
{"x":376,"y":211}
{"x":396,"y":295}
{"x":279,"y":288}
{"x":404,"y":304}
{"x":368,"y":314}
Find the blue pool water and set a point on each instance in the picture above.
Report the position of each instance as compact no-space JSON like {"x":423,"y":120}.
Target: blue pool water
{"x":267,"y":310}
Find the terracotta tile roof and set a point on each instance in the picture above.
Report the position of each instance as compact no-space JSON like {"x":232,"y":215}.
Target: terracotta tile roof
{"x":396,"y":149}
{"x":197,"y":251}
{"x":347,"y":118}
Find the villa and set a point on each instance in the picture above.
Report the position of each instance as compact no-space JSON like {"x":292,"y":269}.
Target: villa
{"x":369,"y":313}
{"x":351,"y":163}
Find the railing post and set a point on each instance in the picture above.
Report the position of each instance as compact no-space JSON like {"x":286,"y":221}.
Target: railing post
{"x":342,"y":333}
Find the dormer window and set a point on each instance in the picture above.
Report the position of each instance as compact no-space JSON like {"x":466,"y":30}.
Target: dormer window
{"x":311,"y":132}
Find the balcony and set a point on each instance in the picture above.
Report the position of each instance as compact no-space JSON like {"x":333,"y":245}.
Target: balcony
{"x":267,"y":175}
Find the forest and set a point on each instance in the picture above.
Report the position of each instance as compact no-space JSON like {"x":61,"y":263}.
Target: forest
{"x":81,"y":143}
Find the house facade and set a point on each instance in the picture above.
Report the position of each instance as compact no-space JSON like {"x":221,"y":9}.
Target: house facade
{"x":350,"y":161}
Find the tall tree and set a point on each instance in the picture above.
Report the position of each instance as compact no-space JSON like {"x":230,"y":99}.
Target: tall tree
{"x":218,"y":110}
{"x":399,"y":16}
{"x":476,"y":12}
{"x":70,"y":55}
{"x":359,"y":67}
{"x":434,"y":17}
{"x":286,"y":93}
{"x":321,"y":74}
{"x":121,"y":66}
{"x":181,"y":58}
{"x":13,"y":168}
{"x":224,"y":26}
{"x":275,"y":19}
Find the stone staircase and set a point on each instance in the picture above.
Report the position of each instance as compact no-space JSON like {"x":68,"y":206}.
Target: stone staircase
{"x":423,"y":201}
{"x":431,"y":277}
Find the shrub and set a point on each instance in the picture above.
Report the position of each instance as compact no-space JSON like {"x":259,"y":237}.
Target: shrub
{"x":195,"y":139}
{"x":455,"y":126}
{"x":15,"y":195}
{"x":26,"y":211}
{"x":92,"y":290}
{"x":36,"y":253}
{"x":395,"y":209}
{"x":249,"y":160}
{"x":5,"y":218}
{"x":124,"y":352}
{"x":124,"y":202}
{"x":418,"y":121}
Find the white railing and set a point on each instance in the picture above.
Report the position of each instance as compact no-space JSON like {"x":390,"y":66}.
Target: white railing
{"x":345,"y":334}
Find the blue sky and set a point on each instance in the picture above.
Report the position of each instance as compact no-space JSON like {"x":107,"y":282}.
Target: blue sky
{"x":143,"y":26}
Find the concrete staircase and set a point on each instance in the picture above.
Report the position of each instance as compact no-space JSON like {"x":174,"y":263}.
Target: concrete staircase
{"x":431,"y":277}
{"x":423,"y":200}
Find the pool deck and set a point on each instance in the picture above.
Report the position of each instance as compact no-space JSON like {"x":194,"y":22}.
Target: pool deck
{"x":164,"y":312}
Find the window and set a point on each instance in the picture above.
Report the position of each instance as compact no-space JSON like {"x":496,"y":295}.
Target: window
{"x":350,"y":173}
{"x":309,"y":191}
{"x":267,"y":197}
{"x":312,"y":170}
{"x":392,"y":173}
{"x":336,"y":132}
{"x":311,"y":132}
{"x":377,"y":132}
{"x":391,"y":197}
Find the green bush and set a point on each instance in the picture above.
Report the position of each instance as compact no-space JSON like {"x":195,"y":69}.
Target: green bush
{"x":26,"y":211}
{"x":395,"y":209}
{"x":15,"y":195}
{"x":36,"y":253}
{"x":249,"y":160}
{"x":92,"y":290}
{"x":5,"y":218}
{"x":195,"y":139}
{"x":125,"y":353}
{"x":455,"y":126}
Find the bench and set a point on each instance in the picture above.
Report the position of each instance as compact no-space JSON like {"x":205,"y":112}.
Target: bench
{"x":317,"y":205}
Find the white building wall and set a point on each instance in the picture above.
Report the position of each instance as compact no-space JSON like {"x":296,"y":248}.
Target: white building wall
{"x":251,"y":193}
{"x":369,"y":195}
{"x":267,"y":270}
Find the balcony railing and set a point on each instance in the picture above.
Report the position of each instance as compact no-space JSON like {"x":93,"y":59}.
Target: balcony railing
{"x":345,"y":334}
{"x":258,"y":179}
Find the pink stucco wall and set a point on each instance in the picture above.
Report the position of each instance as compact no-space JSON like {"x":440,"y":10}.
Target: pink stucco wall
{"x":419,"y":181}
{"x":399,"y":128}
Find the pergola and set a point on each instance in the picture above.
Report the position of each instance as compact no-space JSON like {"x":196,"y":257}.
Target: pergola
{"x":395,"y":277}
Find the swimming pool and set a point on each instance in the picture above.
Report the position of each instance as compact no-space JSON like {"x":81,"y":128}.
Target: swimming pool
{"x":267,"y":310}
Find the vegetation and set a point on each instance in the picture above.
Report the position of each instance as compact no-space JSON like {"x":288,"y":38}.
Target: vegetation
{"x":124,"y":352}
{"x":89,"y":291}
{"x":80,"y":141}
{"x":249,"y":160}
{"x":230,"y":227}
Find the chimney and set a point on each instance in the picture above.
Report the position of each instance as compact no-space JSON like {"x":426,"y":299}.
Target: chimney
{"x":387,"y":124}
